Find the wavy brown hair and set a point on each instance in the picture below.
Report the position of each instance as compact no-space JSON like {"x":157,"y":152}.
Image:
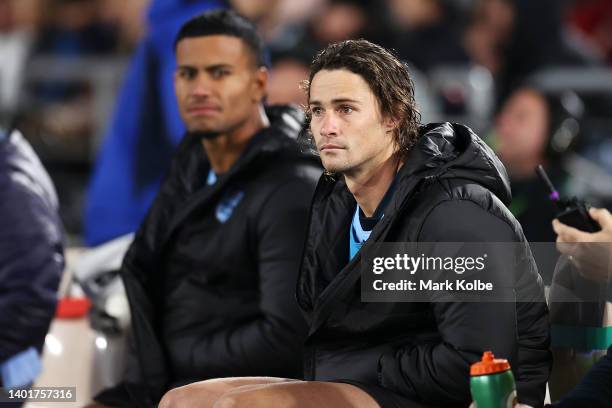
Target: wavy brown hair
{"x":387,"y":77}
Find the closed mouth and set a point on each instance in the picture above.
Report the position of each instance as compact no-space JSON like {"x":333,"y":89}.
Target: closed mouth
{"x":203,"y":109}
{"x":330,"y":146}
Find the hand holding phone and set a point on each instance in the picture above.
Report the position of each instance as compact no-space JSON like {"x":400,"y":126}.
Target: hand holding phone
{"x":572,"y":212}
{"x":590,"y":252}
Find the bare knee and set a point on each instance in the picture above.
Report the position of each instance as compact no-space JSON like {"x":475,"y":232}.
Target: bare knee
{"x":235,"y":400}
{"x":175,"y":398}
{"x":200,"y":394}
{"x":227,"y":401}
{"x":203,"y":394}
{"x":256,"y":398}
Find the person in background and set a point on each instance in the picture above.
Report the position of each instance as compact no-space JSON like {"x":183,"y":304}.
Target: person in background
{"x":515,"y":38}
{"x":488,"y":32}
{"x":73,"y":27}
{"x":144,"y":130}
{"x":281,"y":23}
{"x":521,"y":138}
{"x":429,"y":33}
{"x":591,"y":253}
{"x":211,"y":274}
{"x":18,"y":21}
{"x":31,"y":260}
{"x":338,"y":20}
{"x":288,"y":71}
{"x":591,"y":22}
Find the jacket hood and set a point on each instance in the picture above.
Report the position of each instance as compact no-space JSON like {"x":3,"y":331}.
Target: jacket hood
{"x":281,"y":136}
{"x":286,"y":119}
{"x":19,"y":165}
{"x":451,"y":150}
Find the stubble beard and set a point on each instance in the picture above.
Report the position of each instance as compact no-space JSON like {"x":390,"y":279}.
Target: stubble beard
{"x":339,"y":167}
{"x":200,"y":135}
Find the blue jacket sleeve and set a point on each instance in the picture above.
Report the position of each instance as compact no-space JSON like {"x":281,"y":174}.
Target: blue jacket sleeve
{"x":31,"y":250}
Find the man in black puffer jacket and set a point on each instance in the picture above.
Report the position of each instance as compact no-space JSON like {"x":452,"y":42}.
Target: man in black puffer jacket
{"x":446,"y":185}
{"x":211,"y":274}
{"x":451,"y":189}
{"x":392,"y":181}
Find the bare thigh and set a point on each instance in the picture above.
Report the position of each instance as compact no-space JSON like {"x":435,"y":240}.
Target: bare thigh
{"x":204,"y":394}
{"x":296,"y":394}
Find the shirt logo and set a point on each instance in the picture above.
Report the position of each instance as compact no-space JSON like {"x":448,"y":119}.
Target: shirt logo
{"x":228,"y":203}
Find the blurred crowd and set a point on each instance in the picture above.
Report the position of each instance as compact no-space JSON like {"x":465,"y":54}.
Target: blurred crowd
{"x":474,"y":61}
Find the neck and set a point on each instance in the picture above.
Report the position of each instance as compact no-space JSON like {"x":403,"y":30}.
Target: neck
{"x":525,"y":169}
{"x":225,"y":149}
{"x":369,"y":187}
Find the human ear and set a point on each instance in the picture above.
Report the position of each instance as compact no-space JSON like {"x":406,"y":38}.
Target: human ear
{"x":260,"y":84}
{"x":390,"y":124}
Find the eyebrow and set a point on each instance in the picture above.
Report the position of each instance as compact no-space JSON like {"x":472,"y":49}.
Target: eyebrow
{"x":207,"y":67}
{"x":336,"y":101}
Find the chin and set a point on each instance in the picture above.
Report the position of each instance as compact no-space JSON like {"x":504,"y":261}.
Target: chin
{"x":205,"y":130}
{"x":335,"y":167}
{"x":204,"y":124}
{"x":200,"y":134}
{"x":201,"y":128}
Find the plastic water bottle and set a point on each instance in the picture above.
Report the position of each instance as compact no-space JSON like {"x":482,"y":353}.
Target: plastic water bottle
{"x":492,"y":383}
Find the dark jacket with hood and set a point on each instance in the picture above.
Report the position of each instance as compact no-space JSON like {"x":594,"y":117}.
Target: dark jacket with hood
{"x":31,"y":248}
{"x":452,"y":188}
{"x":211,"y":274}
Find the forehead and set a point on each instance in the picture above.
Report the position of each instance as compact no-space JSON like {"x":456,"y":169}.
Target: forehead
{"x":328,"y":85}
{"x":212,"y":49}
{"x":529,"y":102}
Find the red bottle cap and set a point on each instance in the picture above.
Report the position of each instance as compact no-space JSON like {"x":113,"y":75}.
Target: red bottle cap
{"x":72,"y":308}
{"x":489,"y":365}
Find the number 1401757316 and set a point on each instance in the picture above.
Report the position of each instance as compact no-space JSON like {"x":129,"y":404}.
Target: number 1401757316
{"x":38,"y":394}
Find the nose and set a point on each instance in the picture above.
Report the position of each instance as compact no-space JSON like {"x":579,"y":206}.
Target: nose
{"x":329,"y":125}
{"x":201,"y":87}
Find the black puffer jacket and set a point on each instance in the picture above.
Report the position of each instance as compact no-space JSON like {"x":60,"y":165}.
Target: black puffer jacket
{"x":452,"y":188}
{"x":212,"y":298}
{"x":31,"y":248}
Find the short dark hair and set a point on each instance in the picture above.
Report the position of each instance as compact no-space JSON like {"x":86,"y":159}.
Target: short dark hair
{"x":387,"y":77}
{"x":224,"y":22}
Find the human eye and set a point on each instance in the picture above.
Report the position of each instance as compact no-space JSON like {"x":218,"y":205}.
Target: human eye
{"x":316,"y":111}
{"x":220,"y":72}
{"x":345,"y":109}
{"x":187,"y":73}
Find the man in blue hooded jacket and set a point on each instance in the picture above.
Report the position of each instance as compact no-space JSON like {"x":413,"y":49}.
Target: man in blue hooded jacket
{"x":31,"y":260}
